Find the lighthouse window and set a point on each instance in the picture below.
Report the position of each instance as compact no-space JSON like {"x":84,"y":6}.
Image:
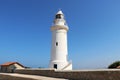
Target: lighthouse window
{"x":56,"y":43}
{"x":58,"y":16}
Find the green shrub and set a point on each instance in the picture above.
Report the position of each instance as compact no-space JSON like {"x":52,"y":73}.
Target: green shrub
{"x":114,"y":65}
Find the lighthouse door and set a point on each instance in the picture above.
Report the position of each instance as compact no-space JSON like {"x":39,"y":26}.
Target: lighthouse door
{"x":55,"y":66}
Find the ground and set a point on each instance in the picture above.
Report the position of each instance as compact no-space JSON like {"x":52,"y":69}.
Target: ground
{"x":7,"y":77}
{"x":15,"y":76}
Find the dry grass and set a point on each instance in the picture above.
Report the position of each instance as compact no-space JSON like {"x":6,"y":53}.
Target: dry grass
{"x":6,"y":77}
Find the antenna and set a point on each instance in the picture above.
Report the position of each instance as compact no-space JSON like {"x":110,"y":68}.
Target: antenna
{"x":60,"y":9}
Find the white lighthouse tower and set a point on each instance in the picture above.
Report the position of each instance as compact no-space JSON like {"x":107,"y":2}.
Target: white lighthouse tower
{"x":59,"y":52}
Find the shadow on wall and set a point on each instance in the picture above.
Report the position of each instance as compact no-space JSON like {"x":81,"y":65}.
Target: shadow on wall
{"x":103,"y":74}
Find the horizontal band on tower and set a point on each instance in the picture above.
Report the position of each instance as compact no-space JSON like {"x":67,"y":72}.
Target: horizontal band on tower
{"x":57,"y":27}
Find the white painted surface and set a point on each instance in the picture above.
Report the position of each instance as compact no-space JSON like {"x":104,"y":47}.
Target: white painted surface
{"x":59,"y":52}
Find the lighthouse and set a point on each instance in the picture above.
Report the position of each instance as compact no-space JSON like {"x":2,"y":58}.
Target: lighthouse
{"x":59,"y":50}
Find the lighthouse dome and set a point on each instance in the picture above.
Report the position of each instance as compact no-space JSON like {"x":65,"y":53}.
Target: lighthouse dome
{"x":59,"y":12}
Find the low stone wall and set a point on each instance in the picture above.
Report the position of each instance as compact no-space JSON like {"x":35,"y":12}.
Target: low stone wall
{"x":106,"y":74}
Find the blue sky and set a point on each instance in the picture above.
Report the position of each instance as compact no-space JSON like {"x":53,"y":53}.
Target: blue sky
{"x":93,"y":37}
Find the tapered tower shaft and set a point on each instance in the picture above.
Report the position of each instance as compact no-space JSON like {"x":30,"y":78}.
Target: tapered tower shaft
{"x":59,"y":50}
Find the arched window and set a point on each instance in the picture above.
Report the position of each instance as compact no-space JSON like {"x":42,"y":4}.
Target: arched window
{"x":56,"y":43}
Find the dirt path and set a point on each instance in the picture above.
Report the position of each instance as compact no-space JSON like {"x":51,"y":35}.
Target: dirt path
{"x":32,"y":77}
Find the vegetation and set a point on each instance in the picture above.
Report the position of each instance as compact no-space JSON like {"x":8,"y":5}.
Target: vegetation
{"x":114,"y":65}
{"x":41,"y":67}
